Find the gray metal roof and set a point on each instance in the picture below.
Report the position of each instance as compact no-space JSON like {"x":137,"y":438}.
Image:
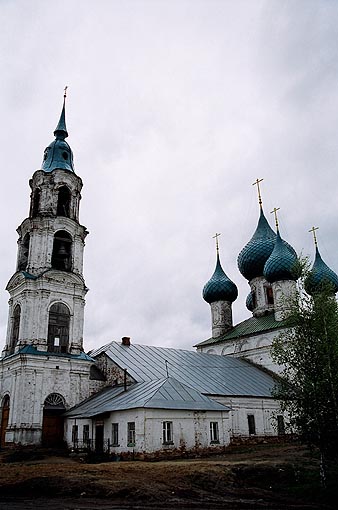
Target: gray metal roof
{"x":159,"y":394}
{"x":209,"y":374}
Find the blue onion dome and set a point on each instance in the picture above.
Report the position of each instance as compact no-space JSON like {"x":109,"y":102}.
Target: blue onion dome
{"x":253,"y":256}
{"x":219,"y":287}
{"x":249,"y":302}
{"x":320,"y":277}
{"x":59,"y":155}
{"x":282,"y":263}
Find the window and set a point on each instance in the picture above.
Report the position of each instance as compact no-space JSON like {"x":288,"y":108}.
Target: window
{"x":58,"y":328}
{"x":63,"y":206}
{"x":115,"y":434}
{"x":214,"y":433}
{"x":131,"y":433}
{"x":167,"y":432}
{"x":75,"y":434}
{"x":269,"y":295}
{"x":23,"y":253}
{"x":62,"y":251}
{"x":280,"y":425}
{"x":251,"y":424}
{"x":85,"y":434}
{"x":15,"y":327}
{"x":35,"y":203}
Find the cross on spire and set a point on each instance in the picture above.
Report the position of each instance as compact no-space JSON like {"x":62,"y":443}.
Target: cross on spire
{"x":313,"y":230}
{"x":256,"y":183}
{"x":274,"y":211}
{"x":65,"y":91}
{"x":216,"y":236}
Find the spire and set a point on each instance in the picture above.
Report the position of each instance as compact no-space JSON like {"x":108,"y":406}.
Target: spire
{"x":58,"y":155}
{"x":61,"y":130}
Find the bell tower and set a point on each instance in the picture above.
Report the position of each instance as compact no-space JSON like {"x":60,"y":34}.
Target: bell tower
{"x":47,"y":291}
{"x":43,"y":369}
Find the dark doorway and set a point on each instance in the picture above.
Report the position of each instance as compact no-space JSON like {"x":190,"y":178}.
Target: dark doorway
{"x":99,"y":438}
{"x":52,"y":424}
{"x":4,"y":420}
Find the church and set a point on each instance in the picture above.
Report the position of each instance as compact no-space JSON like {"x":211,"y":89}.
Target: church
{"x":125,"y":398}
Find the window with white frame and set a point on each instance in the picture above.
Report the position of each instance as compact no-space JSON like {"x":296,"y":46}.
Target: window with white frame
{"x":115,"y":434}
{"x":214,"y":432}
{"x":131,"y":433}
{"x":167,"y":432}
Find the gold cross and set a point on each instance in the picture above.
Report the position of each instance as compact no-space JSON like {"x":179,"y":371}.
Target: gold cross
{"x":274,"y":210}
{"x":65,"y":91}
{"x":257,"y":181}
{"x":313,"y":230}
{"x":216,"y":236}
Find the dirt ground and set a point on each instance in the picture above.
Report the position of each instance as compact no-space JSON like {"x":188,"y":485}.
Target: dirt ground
{"x":282,"y":476}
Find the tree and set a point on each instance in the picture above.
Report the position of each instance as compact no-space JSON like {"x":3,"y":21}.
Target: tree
{"x":308,"y":388}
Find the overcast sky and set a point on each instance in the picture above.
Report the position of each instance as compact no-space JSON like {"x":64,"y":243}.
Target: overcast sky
{"x":174,"y":108}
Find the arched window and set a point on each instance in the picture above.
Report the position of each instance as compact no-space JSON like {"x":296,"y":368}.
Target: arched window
{"x":62,"y":251}
{"x":15,"y":328}
{"x":35,"y":203}
{"x":63,"y":207}
{"x":269,"y":295}
{"x":24,"y":252}
{"x":58,"y":328}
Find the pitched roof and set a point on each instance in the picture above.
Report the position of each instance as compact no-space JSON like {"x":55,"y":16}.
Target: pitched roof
{"x":206,"y":373}
{"x":167,"y":393}
{"x":249,"y":327}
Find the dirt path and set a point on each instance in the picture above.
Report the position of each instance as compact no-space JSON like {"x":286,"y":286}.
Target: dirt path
{"x":262,"y":476}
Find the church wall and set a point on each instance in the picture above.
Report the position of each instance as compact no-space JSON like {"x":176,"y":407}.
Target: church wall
{"x":255,"y":348}
{"x":28,"y":380}
{"x":191,"y":429}
{"x":264,"y":411}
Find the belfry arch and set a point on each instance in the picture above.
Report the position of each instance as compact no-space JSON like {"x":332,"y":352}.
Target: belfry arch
{"x":64,"y":202}
{"x":62,"y":251}
{"x":15,"y":331}
{"x":58,"y":328}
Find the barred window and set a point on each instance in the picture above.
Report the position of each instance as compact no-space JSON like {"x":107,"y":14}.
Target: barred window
{"x":214,"y":433}
{"x":167,"y":432}
{"x":115,"y":434}
{"x":131,"y":433}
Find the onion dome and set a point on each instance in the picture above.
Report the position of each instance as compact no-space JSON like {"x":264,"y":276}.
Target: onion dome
{"x":320,"y":277}
{"x":219,"y":287}
{"x":58,"y":155}
{"x":253,"y":256}
{"x":282,"y":263}
{"x":249,"y":302}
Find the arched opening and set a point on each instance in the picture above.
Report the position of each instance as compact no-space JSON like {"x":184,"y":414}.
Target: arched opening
{"x":35,"y":207}
{"x":62,"y":251}
{"x":269,"y":295}
{"x":4,"y":419}
{"x":58,"y":328}
{"x":24,"y":252}
{"x":15,"y":328}
{"x":52,"y":423}
{"x":64,"y":197}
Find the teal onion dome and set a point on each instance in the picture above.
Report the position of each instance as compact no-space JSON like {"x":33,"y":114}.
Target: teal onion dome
{"x":219,"y":287}
{"x":282,"y":263}
{"x":249,"y":302}
{"x":59,"y":155}
{"x":253,"y":256}
{"x":320,"y":277}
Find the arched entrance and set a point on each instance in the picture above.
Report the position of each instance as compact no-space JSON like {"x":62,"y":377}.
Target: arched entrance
{"x":52,"y":423}
{"x":4,"y":419}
